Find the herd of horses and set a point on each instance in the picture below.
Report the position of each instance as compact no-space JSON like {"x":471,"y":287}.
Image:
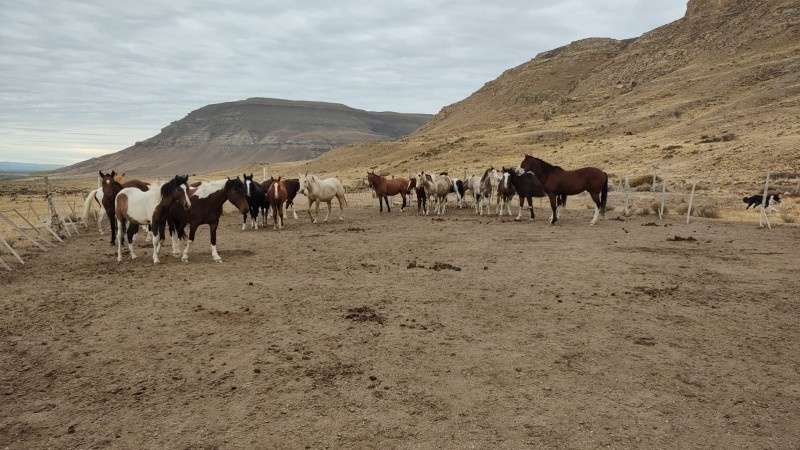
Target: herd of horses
{"x":173,"y":205}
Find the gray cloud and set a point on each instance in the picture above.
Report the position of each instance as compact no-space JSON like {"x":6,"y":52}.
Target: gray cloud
{"x":92,"y":77}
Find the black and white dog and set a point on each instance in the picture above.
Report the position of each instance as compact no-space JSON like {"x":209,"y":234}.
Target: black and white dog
{"x":755,"y":201}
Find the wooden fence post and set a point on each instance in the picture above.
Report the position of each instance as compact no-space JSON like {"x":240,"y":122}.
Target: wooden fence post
{"x":626,"y":212}
{"x":55,"y":221}
{"x":653,"y":187}
{"x":4,"y":265}
{"x":33,"y":227}
{"x":764,"y":206}
{"x":663,"y":195}
{"x":691,"y":199}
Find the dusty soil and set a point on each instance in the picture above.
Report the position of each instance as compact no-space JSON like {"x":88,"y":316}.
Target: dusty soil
{"x":402,"y":331}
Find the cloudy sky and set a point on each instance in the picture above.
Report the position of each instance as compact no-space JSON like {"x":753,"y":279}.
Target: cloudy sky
{"x":83,"y":78}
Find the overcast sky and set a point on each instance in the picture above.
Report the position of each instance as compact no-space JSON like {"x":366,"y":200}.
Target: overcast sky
{"x":83,"y":78}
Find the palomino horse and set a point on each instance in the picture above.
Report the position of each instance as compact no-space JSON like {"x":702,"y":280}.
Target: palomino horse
{"x":322,"y":190}
{"x":111,"y":187}
{"x":207,"y":201}
{"x":276,"y":196}
{"x":505,"y":192}
{"x":257,"y":199}
{"x":148,"y":208}
{"x":526,"y":186}
{"x":559,"y":182}
{"x":97,"y":196}
{"x":385,"y":188}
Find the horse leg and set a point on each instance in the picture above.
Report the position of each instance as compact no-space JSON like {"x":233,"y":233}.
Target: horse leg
{"x":294,"y":213}
{"x":185,"y":256}
{"x":530,"y":206}
{"x":244,"y":221}
{"x":444,"y":204}
{"x":554,"y":208}
{"x":403,"y":206}
{"x":176,"y":242}
{"x":596,"y":199}
{"x":117,"y":236}
{"x":329,"y":209}
{"x":156,"y":248}
{"x":130,"y":239}
{"x":386,"y":200}
{"x":342,"y":201}
{"x":214,"y":254}
{"x":112,"y":222}
{"x":521,"y":204}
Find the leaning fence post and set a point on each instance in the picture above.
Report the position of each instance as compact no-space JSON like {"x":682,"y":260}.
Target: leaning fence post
{"x":653,"y":187}
{"x":6,"y":266}
{"x":663,"y":195}
{"x":22,"y":232}
{"x":16,"y":255}
{"x":764,"y":206}
{"x":691,"y":199}
{"x":33,"y":227}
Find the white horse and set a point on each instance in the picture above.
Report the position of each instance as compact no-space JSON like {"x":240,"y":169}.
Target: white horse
{"x":489,"y":182}
{"x":322,"y":190}
{"x":96,"y":195}
{"x":140,"y":208}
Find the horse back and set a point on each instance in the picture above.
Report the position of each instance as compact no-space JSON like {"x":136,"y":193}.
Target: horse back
{"x":138,"y":184}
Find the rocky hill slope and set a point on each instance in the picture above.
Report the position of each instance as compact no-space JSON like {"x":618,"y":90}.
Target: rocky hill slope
{"x":728,"y":66}
{"x":256,"y":130}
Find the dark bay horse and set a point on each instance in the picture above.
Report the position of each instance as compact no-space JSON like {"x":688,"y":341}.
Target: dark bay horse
{"x":560,"y":182}
{"x":207,"y":201}
{"x":257,"y":199}
{"x":385,"y":188}
{"x":111,"y":188}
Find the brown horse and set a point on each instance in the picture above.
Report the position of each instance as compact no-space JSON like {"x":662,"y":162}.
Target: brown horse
{"x":207,"y":201}
{"x":276,"y":196}
{"x":111,"y":187}
{"x":385,"y":188}
{"x":559,"y":182}
{"x":422,"y":199}
{"x":292,"y":186}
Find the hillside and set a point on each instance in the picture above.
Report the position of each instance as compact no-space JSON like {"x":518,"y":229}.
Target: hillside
{"x":727,"y":66}
{"x":263,"y":130}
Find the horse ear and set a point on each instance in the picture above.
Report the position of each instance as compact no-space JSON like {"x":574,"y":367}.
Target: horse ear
{"x":279,"y":179}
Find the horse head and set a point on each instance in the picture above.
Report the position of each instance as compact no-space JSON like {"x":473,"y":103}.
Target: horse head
{"x":236,"y":192}
{"x":177,"y":189}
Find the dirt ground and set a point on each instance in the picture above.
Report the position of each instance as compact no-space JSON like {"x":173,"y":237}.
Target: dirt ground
{"x":400,"y":331}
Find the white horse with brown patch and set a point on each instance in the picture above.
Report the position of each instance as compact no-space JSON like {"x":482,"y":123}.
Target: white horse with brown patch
{"x":137,"y":207}
{"x":322,"y":190}
{"x":94,"y":196}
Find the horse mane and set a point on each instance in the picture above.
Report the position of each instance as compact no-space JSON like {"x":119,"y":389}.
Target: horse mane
{"x":170,"y":185}
{"x":209,"y":187}
{"x":546,"y":166}
{"x":486,"y":174}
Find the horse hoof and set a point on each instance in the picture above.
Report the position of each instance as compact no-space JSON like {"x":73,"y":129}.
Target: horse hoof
{"x":219,"y":260}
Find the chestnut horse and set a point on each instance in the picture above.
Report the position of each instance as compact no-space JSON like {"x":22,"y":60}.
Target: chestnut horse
{"x":560,"y":182}
{"x":147,"y":208}
{"x":111,"y":188}
{"x":292,"y":186}
{"x":207,"y":201}
{"x":385,"y":188}
{"x":276,"y":196}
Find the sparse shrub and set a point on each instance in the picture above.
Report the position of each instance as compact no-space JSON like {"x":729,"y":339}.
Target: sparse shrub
{"x":707,"y":211}
{"x":788,"y":218}
{"x":643,"y":211}
{"x":643,"y":179}
{"x":610,"y":208}
{"x":681,"y":210}
{"x":656,"y":205}
{"x":645,"y":187}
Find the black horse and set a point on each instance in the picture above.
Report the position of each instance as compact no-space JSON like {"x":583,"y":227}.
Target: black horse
{"x":257,"y":199}
{"x":527,"y":186}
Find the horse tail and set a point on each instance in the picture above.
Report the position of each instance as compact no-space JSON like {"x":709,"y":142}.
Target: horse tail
{"x":604,"y":196}
{"x":87,"y":206}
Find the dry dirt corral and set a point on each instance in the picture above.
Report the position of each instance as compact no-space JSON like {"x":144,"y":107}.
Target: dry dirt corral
{"x":343,"y":335}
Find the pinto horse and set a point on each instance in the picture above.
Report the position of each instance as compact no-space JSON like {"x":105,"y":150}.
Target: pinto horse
{"x":110,"y":188}
{"x":148,"y":208}
{"x":385,"y":188}
{"x":257,"y":199}
{"x":207,"y":201}
{"x":505,"y":193}
{"x":276,"y":196}
{"x":526,"y":185}
{"x":559,"y":182}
